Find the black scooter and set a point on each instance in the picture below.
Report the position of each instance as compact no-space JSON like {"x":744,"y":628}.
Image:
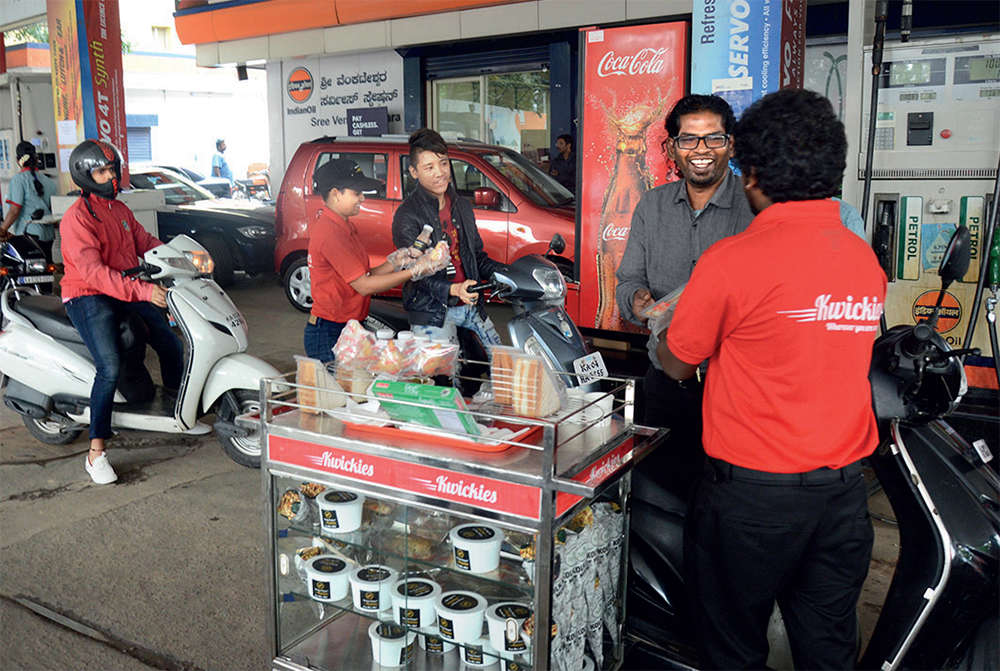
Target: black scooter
{"x":23,"y":264}
{"x":536,"y":290}
{"x":941,"y":610}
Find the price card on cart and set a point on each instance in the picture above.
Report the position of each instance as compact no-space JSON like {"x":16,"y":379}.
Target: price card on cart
{"x":590,"y":367}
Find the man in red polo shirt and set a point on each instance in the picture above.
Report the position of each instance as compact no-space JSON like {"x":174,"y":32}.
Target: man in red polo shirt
{"x":340,"y":277}
{"x":785,"y":313}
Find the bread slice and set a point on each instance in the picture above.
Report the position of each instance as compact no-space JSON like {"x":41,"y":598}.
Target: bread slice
{"x":502,"y":376}
{"x":534,"y":392}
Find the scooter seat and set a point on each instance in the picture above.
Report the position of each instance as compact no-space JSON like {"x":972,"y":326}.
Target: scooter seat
{"x":49,"y":316}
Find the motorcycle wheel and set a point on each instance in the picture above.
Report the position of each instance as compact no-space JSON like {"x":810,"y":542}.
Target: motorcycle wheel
{"x":983,"y":650}
{"x":245,"y":451}
{"x":50,"y":431}
{"x":296,"y":283}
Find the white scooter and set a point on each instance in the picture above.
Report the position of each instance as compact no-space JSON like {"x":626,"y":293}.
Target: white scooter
{"x":49,"y":369}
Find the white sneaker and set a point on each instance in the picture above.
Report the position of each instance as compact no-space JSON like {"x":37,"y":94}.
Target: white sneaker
{"x":100,"y":471}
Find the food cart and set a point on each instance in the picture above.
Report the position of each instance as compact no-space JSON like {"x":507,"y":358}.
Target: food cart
{"x":397,"y":545}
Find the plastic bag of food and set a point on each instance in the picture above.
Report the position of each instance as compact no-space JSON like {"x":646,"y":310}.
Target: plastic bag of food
{"x":661,"y":312}
{"x":355,"y":347}
{"x":525,"y":383}
{"x":391,"y":358}
{"x":438,"y":357}
{"x":317,"y":389}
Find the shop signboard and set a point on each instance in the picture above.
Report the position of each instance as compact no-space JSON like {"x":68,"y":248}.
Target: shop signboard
{"x":319,"y":93}
{"x":88,"y":90}
{"x":744,"y":49}
{"x":632,"y":77}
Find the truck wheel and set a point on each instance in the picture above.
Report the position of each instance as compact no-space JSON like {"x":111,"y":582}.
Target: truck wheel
{"x":296,"y":283}
{"x":51,"y":431}
{"x":244,"y":450}
{"x":223,"y":259}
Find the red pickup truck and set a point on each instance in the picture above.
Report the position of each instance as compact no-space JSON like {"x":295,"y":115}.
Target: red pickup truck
{"x":518,"y":207}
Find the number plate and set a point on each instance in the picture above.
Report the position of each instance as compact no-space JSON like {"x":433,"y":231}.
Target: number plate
{"x":590,"y":367}
{"x":34,"y":279}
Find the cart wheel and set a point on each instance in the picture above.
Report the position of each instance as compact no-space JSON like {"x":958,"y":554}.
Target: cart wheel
{"x":244,"y":450}
{"x":51,"y":431}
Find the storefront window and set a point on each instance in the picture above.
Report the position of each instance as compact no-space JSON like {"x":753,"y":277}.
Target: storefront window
{"x":458,"y":108}
{"x":511,"y":110}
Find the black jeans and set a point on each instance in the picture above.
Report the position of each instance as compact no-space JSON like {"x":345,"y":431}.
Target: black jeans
{"x":678,"y":463}
{"x":804,"y":542}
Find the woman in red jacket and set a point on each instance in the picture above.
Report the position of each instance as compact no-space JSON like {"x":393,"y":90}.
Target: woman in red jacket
{"x":100,"y":238}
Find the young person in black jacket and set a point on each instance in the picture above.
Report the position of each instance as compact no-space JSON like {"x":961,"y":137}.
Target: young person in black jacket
{"x":438,"y":304}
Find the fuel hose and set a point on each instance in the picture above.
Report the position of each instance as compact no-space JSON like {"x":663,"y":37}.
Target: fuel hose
{"x":878,"y":44}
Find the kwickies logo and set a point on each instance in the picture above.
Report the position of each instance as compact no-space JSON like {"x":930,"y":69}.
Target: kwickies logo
{"x":866,"y":310}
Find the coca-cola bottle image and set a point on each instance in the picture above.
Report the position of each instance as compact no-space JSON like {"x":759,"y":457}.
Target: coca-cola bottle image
{"x":629,"y":180}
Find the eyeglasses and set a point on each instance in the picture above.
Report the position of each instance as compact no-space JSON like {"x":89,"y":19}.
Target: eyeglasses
{"x":713,"y":141}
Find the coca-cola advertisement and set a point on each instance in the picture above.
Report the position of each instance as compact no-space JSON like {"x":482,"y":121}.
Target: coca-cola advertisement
{"x":632,"y":77}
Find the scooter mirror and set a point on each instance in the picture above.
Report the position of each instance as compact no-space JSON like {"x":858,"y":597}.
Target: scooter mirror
{"x":955,"y":261}
{"x":558,"y":244}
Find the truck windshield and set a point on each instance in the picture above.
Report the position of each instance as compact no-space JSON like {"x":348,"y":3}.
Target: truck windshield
{"x":542,"y":189}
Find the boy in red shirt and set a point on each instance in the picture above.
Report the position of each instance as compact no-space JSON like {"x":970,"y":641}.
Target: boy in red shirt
{"x":340,"y":276}
{"x":785,"y":313}
{"x":100,"y":238}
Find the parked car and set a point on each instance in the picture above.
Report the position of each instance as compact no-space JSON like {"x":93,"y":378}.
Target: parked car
{"x":518,"y":207}
{"x":219,"y":187}
{"x":239,"y":234}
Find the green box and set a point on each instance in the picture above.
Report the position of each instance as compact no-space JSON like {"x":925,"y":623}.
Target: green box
{"x":439,"y":407}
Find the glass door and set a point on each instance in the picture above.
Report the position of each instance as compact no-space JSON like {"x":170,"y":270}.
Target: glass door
{"x":509,"y":109}
{"x":458,"y":108}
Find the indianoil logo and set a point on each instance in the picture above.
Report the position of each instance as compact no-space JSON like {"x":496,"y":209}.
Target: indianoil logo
{"x":951,"y":310}
{"x":300,"y":85}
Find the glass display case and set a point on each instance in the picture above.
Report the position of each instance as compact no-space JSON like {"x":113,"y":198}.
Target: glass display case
{"x":392,"y":546}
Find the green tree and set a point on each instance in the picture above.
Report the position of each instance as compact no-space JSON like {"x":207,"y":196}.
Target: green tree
{"x":36,"y":32}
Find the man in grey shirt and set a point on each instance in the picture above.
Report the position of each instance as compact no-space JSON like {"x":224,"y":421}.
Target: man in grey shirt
{"x":672,"y":225}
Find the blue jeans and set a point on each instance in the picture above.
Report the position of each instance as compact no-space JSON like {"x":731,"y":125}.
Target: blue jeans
{"x":466,"y":316}
{"x":97,"y":318}
{"x":319,"y":338}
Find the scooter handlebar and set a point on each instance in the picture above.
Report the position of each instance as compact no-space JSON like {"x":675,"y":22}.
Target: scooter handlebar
{"x":482,"y":286}
{"x":141,"y":268}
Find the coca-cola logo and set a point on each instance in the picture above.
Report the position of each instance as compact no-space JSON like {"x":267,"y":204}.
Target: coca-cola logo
{"x":646,"y":61}
{"x":615,"y":233}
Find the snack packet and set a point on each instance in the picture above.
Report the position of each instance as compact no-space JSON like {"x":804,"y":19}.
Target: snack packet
{"x":355,"y":347}
{"x":438,"y":357}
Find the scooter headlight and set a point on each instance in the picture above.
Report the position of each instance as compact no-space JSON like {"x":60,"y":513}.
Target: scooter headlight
{"x":552,"y":283}
{"x":201,"y":260}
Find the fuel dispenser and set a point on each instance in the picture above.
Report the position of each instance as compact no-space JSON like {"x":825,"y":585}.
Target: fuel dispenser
{"x":937,"y":138}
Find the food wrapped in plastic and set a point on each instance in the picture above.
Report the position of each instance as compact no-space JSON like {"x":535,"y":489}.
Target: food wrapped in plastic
{"x":438,"y":357}
{"x":302,"y":557}
{"x":355,"y":347}
{"x":525,"y":383}
{"x":391,"y":358}
{"x":316,"y":389}
{"x":661,"y":312}
{"x":292,"y":506}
